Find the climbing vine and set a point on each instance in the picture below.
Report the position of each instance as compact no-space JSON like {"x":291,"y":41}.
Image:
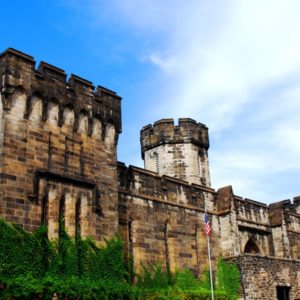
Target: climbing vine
{"x":228,"y":277}
{"x":32,"y":267}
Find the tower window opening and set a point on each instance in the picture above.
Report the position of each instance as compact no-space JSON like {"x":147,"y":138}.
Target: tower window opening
{"x":156,"y":162}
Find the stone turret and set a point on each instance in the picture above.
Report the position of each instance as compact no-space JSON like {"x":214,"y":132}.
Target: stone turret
{"x":177,"y":151}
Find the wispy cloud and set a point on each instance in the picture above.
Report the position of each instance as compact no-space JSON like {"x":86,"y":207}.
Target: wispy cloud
{"x":234,"y":65}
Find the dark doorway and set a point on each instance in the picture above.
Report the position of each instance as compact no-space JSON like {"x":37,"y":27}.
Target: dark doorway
{"x":251,"y":247}
{"x":283,"y":292}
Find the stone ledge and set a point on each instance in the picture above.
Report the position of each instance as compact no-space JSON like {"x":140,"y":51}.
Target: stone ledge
{"x":268,"y":231}
{"x":150,"y":198}
{"x":253,"y":256}
{"x":252,"y":222}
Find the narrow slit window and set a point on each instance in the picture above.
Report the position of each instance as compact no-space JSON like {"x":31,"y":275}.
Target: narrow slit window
{"x":197,"y":248}
{"x":78,"y":218}
{"x":130,"y":252}
{"x":62,"y":208}
{"x":156,"y":162}
{"x":167,"y":256}
{"x":130,"y":240}
{"x":45,"y":208}
{"x":199,"y":166}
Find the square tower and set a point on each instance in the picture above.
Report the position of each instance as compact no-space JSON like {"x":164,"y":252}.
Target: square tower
{"x":58,"y":143}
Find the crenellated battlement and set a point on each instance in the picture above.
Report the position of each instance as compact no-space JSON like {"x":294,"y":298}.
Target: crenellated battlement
{"x":165,"y":189}
{"x":49,"y":82}
{"x":165,"y":131}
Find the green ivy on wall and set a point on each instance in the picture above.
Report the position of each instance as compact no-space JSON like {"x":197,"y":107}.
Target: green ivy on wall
{"x":32,"y":267}
{"x":228,"y":278}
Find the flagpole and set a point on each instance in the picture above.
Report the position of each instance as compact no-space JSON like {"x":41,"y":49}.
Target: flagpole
{"x":209,"y":260}
{"x":210,"y":271}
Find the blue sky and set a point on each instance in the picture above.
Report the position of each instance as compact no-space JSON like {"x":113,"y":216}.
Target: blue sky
{"x":233,"y":65}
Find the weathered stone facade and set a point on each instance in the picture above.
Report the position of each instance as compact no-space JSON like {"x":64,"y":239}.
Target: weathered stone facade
{"x":162,"y":219}
{"x":54,"y":135}
{"x":58,"y":142}
{"x":264,"y":275}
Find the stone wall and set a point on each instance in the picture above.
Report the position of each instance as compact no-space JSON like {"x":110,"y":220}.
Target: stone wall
{"x":254,"y":226}
{"x":261,"y":275}
{"x":164,"y":213}
{"x":162,"y":220}
{"x":58,"y":156}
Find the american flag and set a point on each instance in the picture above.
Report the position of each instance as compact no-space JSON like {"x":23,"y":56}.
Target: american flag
{"x":207,"y":227}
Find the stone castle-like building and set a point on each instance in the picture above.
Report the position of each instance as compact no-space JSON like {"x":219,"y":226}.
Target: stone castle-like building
{"x":58,"y":143}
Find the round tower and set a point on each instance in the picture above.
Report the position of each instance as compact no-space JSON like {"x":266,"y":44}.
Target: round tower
{"x":177,"y":151}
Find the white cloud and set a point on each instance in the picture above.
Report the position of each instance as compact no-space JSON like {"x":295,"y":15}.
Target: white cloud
{"x":229,"y":64}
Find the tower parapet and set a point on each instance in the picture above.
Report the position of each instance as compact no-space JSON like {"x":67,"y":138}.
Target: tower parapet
{"x":165,"y":132}
{"x":17,"y":70}
{"x":179,"y":151}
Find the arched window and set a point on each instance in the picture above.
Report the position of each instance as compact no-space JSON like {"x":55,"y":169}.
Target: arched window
{"x":36,"y":107}
{"x":68,"y":116}
{"x":18,"y":103}
{"x":52,"y":112}
{"x":110,"y":134}
{"x":251,"y":247}
{"x":97,"y":128}
{"x":83,"y":122}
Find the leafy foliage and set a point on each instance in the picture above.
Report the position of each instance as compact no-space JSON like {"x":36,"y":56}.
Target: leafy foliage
{"x":228,"y":277}
{"x":32,"y":267}
{"x":154,"y":283}
{"x":153,"y":276}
